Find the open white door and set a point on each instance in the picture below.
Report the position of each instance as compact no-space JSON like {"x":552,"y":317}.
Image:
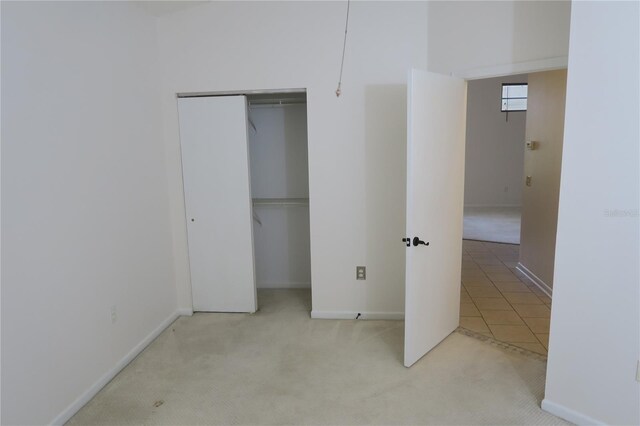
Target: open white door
{"x":435,"y":184}
{"x":215,"y":169}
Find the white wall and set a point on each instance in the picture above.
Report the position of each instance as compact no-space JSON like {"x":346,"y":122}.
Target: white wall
{"x":84,"y":201}
{"x":492,"y":38}
{"x":356,"y":142}
{"x":494,"y":146}
{"x":279,"y":169}
{"x":595,"y":329}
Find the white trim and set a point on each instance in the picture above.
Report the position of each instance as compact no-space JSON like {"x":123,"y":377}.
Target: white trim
{"x":86,"y":396}
{"x":568,"y":414}
{"x":277,"y":285}
{"x":353,"y":314}
{"x":241,"y":92}
{"x":187,"y":312}
{"x":559,"y":62}
{"x":534,"y":279}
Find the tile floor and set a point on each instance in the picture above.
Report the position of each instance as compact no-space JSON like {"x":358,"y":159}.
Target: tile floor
{"x":497,"y":301}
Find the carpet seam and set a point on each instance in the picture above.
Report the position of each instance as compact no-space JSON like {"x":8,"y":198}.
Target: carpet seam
{"x":502,"y":345}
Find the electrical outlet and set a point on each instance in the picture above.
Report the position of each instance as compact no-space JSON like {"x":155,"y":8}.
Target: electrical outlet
{"x":361,"y":272}
{"x":527,"y":181}
{"x":114,"y":314}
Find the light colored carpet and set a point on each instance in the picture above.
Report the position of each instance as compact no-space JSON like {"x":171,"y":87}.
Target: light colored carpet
{"x":281,"y":367}
{"x":495,"y":224}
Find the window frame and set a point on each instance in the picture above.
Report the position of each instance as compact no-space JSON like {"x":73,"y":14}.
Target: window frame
{"x":503,"y":98}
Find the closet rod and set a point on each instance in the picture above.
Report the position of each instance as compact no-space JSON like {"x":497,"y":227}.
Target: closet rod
{"x":280,"y":201}
{"x":276,"y":102}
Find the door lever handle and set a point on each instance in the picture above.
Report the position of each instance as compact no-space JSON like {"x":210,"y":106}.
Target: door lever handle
{"x":417,"y":241}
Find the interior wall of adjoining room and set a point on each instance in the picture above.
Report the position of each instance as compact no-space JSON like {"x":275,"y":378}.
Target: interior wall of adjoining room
{"x":494,"y":151}
{"x":545,"y":127}
{"x":280,"y":191}
{"x":87,"y":270}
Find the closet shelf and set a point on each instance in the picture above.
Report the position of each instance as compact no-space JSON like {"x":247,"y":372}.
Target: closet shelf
{"x":280,"y":201}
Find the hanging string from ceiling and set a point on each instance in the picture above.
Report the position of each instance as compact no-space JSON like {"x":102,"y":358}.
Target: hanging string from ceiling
{"x":344,"y":47}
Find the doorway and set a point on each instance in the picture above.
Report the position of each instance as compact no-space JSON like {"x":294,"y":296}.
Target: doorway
{"x":494,"y":158}
{"x":502,"y":294}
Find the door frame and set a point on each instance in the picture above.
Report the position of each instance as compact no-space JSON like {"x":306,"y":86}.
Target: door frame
{"x":549,"y":64}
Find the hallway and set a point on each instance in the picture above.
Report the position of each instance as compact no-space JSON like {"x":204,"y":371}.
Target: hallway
{"x":498,"y":302}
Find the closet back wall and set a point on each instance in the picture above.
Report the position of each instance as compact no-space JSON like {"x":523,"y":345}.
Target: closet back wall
{"x":279,"y":170}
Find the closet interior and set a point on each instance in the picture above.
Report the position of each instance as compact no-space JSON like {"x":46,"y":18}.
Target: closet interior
{"x":278,"y":165}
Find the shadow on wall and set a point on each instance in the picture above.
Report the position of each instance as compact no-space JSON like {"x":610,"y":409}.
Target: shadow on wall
{"x":385,"y":188}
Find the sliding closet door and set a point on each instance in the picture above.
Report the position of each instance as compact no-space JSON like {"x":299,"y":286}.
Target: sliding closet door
{"x":215,"y":168}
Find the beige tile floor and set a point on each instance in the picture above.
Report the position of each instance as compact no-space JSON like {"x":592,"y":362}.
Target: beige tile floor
{"x":497,"y":301}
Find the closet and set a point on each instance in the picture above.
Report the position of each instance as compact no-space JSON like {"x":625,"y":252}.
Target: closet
{"x":280,"y":190}
{"x":245,"y":175}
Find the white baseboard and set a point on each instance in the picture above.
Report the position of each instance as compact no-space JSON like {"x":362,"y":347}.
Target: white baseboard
{"x":568,"y":414}
{"x":354,"y":314}
{"x":76,"y":405}
{"x":274,"y":285}
{"x":185,"y":312}
{"x":534,"y":279}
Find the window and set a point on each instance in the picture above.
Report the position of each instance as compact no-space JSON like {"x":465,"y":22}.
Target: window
{"x":514,"y":97}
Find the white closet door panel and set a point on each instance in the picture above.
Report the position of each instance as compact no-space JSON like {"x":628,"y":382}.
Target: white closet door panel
{"x":214,"y":139}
